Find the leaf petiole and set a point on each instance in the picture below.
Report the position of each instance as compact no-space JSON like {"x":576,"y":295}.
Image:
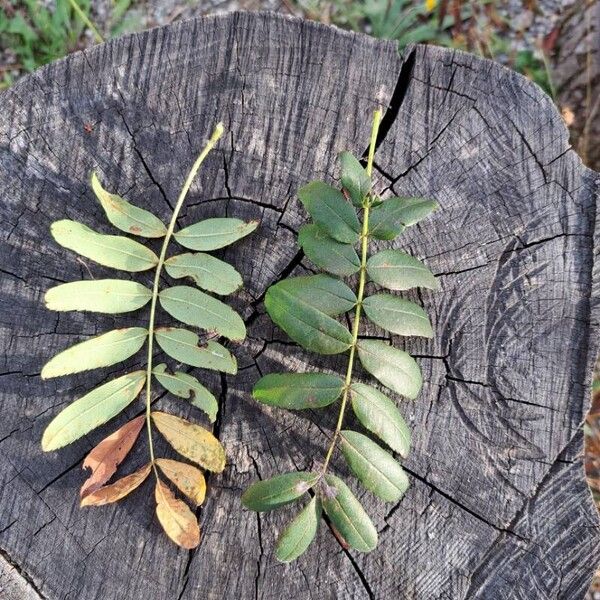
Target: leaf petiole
{"x":217,"y":133}
{"x":364,"y":239}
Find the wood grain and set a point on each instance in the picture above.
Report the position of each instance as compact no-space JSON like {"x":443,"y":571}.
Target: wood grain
{"x":498,"y":506}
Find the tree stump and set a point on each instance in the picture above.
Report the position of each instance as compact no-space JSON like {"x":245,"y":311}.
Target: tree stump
{"x":498,"y":505}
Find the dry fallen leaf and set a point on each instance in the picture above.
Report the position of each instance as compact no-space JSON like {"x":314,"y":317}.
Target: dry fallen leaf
{"x":188,"y":479}
{"x":176,"y":518}
{"x":117,"y":490}
{"x":192,"y":441}
{"x":108,"y":454}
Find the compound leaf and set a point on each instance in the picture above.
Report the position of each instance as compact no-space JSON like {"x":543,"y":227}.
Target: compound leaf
{"x":334,"y":257}
{"x":109,"y":250}
{"x":117,"y":490}
{"x":298,"y":535}
{"x":177,"y":520}
{"x":192,"y":441}
{"x":182,"y":345}
{"x":397,"y":315}
{"x":188,"y":479}
{"x":282,"y":489}
{"x":396,"y":270}
{"x":348,"y":516}
{"x":207,"y":272}
{"x":126,"y":216}
{"x":330,"y":211}
{"x":212,"y":234}
{"x":187,"y":386}
{"x":95,"y":408}
{"x":101,"y":351}
{"x":193,"y":307}
{"x":376,"y":469}
{"x":377,"y":413}
{"x":297,"y":391}
{"x":110,"y":296}
{"x":395,"y":368}
{"x":354,"y":178}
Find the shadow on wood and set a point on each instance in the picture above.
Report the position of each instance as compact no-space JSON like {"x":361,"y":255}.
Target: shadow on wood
{"x":498,"y":506}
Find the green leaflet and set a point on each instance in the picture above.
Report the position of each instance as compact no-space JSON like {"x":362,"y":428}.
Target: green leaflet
{"x":95,"y":408}
{"x":330,"y":211}
{"x":377,"y":413}
{"x":312,"y":329}
{"x":395,"y":368}
{"x":125,"y":216}
{"x":354,"y":178}
{"x":297,"y":391}
{"x":109,"y":250}
{"x":182,"y":345}
{"x":282,"y":489}
{"x":325,"y":294}
{"x":101,"y":351}
{"x":208,"y":272}
{"x":376,"y":469}
{"x":186,"y":386}
{"x":193,"y":307}
{"x":397,"y":315}
{"x":334,"y":257}
{"x":394,"y":214}
{"x":212,"y":234}
{"x":348,"y":516}
{"x":299,"y":534}
{"x":397,"y":270}
{"x":111,"y":296}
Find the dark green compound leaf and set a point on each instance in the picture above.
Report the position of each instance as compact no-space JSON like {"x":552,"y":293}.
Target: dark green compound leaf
{"x":377,"y":413}
{"x":347,"y":515}
{"x":330,"y":211}
{"x":327,"y":294}
{"x":354,"y":178}
{"x":328,"y":254}
{"x":307,"y":326}
{"x":207,"y":272}
{"x":376,"y":469}
{"x":299,"y":534}
{"x":186,"y":386}
{"x":297,"y":391}
{"x":282,"y":489}
{"x":389,"y":219}
{"x":397,"y":315}
{"x":396,"y":270}
{"x":395,"y":368}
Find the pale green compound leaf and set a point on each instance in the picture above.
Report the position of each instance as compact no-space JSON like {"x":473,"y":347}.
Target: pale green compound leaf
{"x":282,"y":489}
{"x":112,"y":251}
{"x":394,"y":214}
{"x":212,"y":234}
{"x":127,"y":217}
{"x":330,"y":211}
{"x":328,"y":254}
{"x":193,"y":307}
{"x":377,"y":413}
{"x":101,"y":351}
{"x":187,"y":386}
{"x":109,"y":296}
{"x":354,"y":178}
{"x":396,"y":369}
{"x":397,"y":315}
{"x":326,"y":294}
{"x":92,"y":410}
{"x":297,"y":391}
{"x":207,"y":272}
{"x":312,"y":329}
{"x":375,"y":468}
{"x":182,"y":345}
{"x":348,"y":516}
{"x":396,"y":270}
{"x":299,"y":534}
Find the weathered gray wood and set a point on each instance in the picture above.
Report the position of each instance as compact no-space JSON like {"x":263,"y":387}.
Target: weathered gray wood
{"x":498,"y":506}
